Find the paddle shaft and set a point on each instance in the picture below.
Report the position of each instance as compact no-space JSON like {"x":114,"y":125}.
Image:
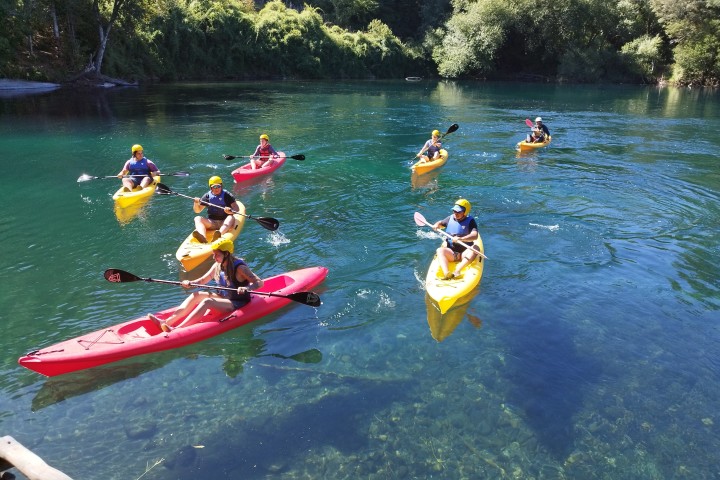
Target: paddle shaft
{"x":418,"y":216}
{"x":120,"y":276}
{"x":266,"y":222}
{"x":85,"y":178}
{"x":207,"y":204}
{"x":213,"y":287}
{"x":233,"y":157}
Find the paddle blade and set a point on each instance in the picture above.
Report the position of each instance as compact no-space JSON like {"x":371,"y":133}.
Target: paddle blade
{"x":452,"y":128}
{"x":163,"y":189}
{"x":120,"y":276}
{"x":528,"y":123}
{"x":419,"y":219}
{"x":229,"y":157}
{"x":308,"y":298}
{"x":298,"y":157}
{"x":269,"y":223}
{"x":85,"y":177}
{"x":179,"y":174}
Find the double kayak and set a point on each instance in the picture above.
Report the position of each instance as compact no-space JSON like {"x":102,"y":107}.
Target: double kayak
{"x":123,"y":199}
{"x":421,"y":167}
{"x":192,"y":253}
{"x":528,"y":146}
{"x":142,"y":336}
{"x":246,"y":172}
{"x":446,"y":292}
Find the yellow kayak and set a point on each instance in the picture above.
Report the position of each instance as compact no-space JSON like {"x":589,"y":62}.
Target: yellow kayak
{"x":123,"y":198}
{"x":526,"y":146}
{"x":192,"y":253}
{"x":424,"y":167}
{"x":447,"y":292}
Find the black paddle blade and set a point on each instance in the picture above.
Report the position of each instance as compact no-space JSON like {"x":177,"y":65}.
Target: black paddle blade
{"x":452,"y":128}
{"x":163,"y":189}
{"x":308,"y":298}
{"x":229,"y":157}
{"x":120,"y":276}
{"x":269,"y":223}
{"x":298,"y":157}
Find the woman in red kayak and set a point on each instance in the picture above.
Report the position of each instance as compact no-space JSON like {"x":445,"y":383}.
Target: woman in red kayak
{"x":228,"y":271}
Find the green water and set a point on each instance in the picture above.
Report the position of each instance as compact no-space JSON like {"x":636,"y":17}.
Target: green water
{"x":590,"y":351}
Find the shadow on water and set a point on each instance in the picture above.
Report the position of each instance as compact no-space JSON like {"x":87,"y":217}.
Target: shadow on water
{"x":550,"y":381}
{"x":311,"y":431}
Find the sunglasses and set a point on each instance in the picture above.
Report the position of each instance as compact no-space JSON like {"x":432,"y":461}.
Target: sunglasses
{"x":216,"y":186}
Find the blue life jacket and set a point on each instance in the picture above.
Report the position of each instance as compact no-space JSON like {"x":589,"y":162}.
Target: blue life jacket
{"x":460,"y":229}
{"x":233,"y":283}
{"x":139,"y":167}
{"x":217,"y":212}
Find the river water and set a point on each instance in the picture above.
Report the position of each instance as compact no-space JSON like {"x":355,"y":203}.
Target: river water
{"x":590,"y":350}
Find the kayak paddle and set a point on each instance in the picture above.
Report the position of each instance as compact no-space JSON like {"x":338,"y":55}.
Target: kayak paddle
{"x":299,"y":156}
{"x":529,"y":123}
{"x":114,"y":275}
{"x":85,"y":177}
{"x":420,"y":220}
{"x":450,"y":130}
{"x":266,"y":222}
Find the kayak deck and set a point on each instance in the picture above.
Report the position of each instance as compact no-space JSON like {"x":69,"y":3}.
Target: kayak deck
{"x":123,"y":199}
{"x":420,"y":167}
{"x":447,"y":292}
{"x":525,"y":146}
{"x":192,"y":253}
{"x":142,"y":336}
{"x":246,"y":172}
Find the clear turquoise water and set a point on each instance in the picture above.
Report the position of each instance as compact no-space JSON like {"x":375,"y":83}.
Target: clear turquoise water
{"x":590,"y":351}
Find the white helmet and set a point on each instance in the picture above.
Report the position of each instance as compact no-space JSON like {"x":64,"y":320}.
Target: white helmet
{"x":538,"y":119}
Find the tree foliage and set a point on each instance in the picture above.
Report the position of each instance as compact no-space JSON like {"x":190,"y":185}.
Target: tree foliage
{"x":571,"y":40}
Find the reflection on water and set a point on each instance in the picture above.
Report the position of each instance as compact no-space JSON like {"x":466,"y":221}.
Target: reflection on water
{"x":442,"y":325}
{"x":127,"y":214}
{"x":427,"y":181}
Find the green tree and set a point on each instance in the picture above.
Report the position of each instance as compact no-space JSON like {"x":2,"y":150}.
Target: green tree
{"x":694,"y":28}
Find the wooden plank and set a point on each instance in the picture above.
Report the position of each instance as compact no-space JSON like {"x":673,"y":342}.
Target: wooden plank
{"x":29,"y":464}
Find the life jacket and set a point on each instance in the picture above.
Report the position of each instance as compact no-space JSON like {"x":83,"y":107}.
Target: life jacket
{"x":217,"y":212}
{"x":233,"y":283}
{"x":265,"y":151}
{"x":139,"y":167}
{"x":460,"y":229}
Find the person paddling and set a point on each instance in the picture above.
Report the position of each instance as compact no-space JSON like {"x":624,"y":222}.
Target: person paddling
{"x":432,"y":147}
{"x":227,"y":271}
{"x":141,"y":169}
{"x":220,"y":215}
{"x":264,"y":154}
{"x":463,"y":228}
{"x":540,"y":131}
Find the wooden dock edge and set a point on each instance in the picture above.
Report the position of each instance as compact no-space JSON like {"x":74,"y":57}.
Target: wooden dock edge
{"x":29,"y":464}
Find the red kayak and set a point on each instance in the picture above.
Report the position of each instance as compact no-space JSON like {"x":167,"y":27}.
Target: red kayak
{"x":142,"y":336}
{"x":246,"y":172}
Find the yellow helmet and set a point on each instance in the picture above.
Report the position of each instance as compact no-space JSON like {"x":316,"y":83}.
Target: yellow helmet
{"x":436,"y":133}
{"x":264,"y":136}
{"x":215,"y":181}
{"x":224,"y":245}
{"x":465,"y":204}
{"x":135,"y":148}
